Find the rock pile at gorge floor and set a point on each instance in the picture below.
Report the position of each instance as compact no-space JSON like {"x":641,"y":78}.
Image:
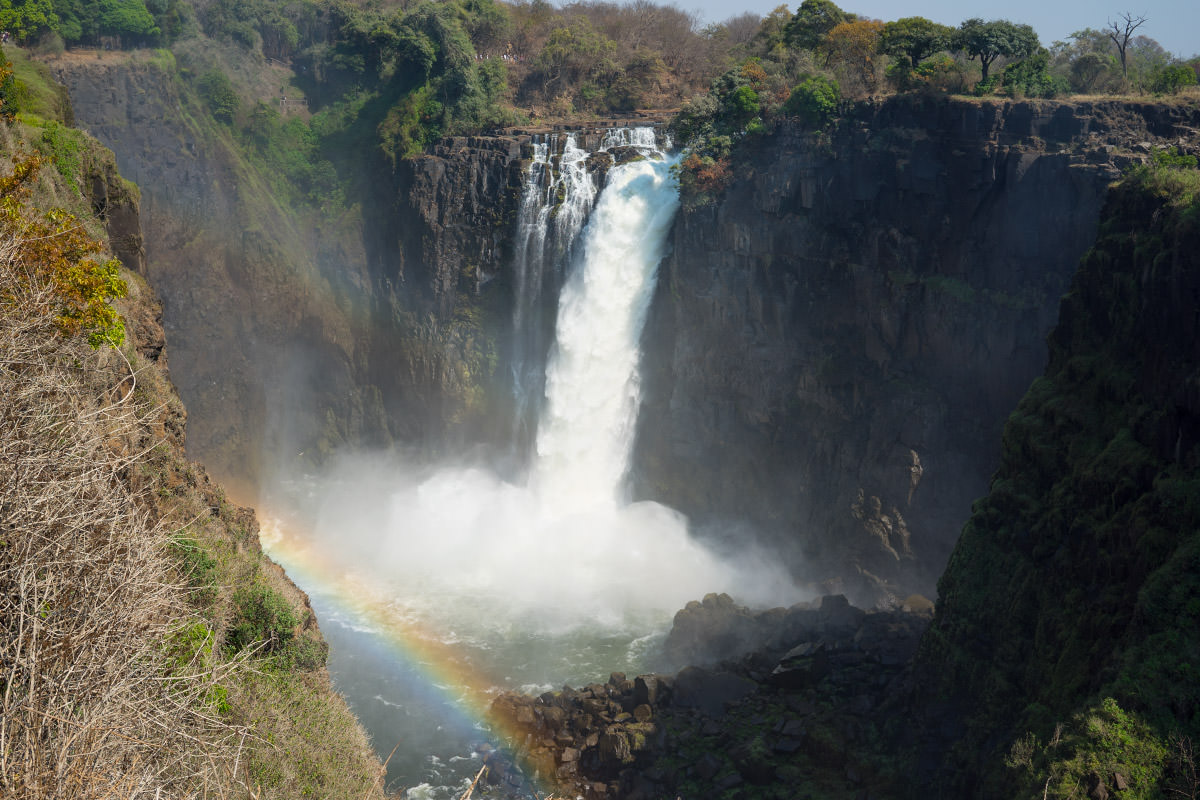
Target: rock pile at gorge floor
{"x":798,"y":696}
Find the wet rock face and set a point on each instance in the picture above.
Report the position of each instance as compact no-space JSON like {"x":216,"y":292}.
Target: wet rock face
{"x":835,"y":344}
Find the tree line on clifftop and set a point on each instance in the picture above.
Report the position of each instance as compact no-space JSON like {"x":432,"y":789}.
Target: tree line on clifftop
{"x":393,"y":78}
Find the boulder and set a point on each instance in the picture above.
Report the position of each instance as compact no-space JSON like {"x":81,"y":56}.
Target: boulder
{"x":710,"y":692}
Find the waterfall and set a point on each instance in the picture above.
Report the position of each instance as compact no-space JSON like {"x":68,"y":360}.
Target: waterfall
{"x":559,"y":549}
{"x":493,"y":581}
{"x":592,"y":387}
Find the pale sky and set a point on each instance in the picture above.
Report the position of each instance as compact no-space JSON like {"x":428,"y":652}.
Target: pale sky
{"x":1174,"y":24}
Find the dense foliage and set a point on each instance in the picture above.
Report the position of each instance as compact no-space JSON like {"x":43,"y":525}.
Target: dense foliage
{"x":55,"y":251}
{"x":813,"y":58}
{"x":1092,"y":530}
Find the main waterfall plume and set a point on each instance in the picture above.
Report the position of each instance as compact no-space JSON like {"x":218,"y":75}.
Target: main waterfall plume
{"x":592,"y":385}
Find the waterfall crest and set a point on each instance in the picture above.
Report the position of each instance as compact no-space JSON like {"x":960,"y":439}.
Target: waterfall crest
{"x":556,"y":200}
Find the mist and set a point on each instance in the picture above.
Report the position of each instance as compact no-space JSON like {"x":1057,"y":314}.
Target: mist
{"x":452,"y":544}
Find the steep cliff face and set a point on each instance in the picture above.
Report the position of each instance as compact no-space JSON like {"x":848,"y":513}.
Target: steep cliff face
{"x":836,"y":343}
{"x":439,"y":235}
{"x":158,"y":619}
{"x":1075,"y":579}
{"x":257,"y":316}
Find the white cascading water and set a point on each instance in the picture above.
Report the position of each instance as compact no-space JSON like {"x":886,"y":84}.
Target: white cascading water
{"x":562,"y":550}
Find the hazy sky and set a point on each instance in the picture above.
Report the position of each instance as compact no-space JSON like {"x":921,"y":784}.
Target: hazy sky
{"x":1175,"y":24}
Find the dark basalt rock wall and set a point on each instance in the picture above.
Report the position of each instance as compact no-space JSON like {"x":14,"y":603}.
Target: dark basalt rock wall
{"x":836,"y":343}
{"x":439,"y":234}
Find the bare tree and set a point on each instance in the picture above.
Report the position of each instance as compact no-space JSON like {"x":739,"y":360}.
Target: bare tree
{"x":1121,"y":32}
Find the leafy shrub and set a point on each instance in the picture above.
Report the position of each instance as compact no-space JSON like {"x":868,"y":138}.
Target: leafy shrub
{"x":1170,"y":158}
{"x":940,"y":71}
{"x":987,"y":86}
{"x":1031,"y":77}
{"x":262,"y":616}
{"x":64,"y":147}
{"x":55,"y":250}
{"x":1097,"y":745}
{"x":815,"y":101}
{"x":702,"y":178}
{"x":218,"y":92}
{"x":12,"y":91}
{"x":199,"y":568}
{"x":1172,"y":78}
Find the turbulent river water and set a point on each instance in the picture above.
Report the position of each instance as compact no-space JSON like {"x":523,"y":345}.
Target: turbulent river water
{"x":439,"y":585}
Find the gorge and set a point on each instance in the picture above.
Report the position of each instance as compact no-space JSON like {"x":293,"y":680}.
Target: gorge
{"x":831,"y":352}
{"x":819,"y":331}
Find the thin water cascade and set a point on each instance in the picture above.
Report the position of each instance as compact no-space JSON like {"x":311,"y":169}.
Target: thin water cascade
{"x":558,"y":196}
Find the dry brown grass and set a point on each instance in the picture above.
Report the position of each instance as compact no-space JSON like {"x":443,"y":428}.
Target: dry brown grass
{"x":108,"y":687}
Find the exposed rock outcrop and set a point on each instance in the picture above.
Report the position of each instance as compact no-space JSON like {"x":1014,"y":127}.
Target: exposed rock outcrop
{"x":800,"y":698}
{"x":836,"y":343}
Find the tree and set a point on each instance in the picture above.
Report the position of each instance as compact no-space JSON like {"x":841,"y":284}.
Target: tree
{"x":915,"y":37}
{"x":23,"y":18}
{"x":1031,"y":76}
{"x":1146,"y":58}
{"x":1087,"y":60}
{"x":851,"y":47}
{"x":812,"y":21}
{"x":1087,"y":70}
{"x":815,"y":101}
{"x":1172,"y":78}
{"x":126,"y":18}
{"x":576,"y":54}
{"x":1121,"y":32}
{"x":988,"y":41}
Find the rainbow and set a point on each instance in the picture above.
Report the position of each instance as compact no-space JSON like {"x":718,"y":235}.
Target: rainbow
{"x":442,"y":669}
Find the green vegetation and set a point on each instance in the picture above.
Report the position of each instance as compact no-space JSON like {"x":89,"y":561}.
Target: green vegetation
{"x":1092,"y":530}
{"x":1104,"y":745}
{"x":988,"y":41}
{"x":263,"y":618}
{"x":58,"y":254}
{"x":802,"y":56}
{"x":162,"y":674}
{"x":1172,"y":78}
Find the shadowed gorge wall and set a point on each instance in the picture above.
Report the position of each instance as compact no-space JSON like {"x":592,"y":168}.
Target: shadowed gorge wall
{"x":1075,"y":578}
{"x":836,"y":342}
{"x":294,"y":333}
